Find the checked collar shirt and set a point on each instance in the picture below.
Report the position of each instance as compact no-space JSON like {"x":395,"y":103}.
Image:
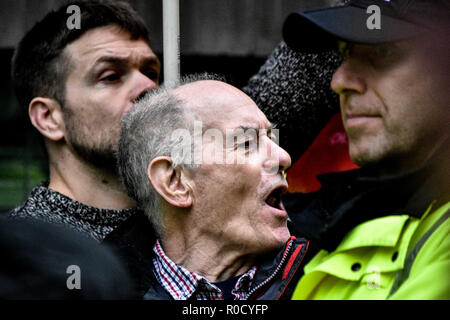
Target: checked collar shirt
{"x":183,"y":284}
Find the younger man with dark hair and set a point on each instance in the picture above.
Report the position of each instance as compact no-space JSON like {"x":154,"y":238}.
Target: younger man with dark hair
{"x":76,"y":84}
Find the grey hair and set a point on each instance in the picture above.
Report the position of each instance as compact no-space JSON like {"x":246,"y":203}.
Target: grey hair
{"x":146,"y":133}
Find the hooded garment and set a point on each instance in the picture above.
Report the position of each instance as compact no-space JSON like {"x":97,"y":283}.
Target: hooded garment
{"x":293,"y":90}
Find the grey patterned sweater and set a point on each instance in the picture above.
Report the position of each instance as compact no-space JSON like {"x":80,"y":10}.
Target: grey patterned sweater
{"x":51,"y":206}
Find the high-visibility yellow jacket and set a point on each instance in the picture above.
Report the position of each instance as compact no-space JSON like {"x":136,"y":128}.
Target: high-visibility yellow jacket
{"x":392,"y":257}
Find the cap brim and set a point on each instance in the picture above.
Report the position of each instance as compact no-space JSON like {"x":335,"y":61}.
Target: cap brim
{"x":321,"y":28}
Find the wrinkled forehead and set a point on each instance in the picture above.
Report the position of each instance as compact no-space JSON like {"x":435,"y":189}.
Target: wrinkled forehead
{"x":110,"y":41}
{"x":221,"y":106}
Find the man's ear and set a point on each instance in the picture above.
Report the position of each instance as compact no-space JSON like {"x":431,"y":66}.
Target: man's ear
{"x":46,"y":115}
{"x":171,"y":183}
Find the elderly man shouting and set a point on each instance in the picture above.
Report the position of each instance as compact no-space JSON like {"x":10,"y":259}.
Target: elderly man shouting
{"x":218,"y":230}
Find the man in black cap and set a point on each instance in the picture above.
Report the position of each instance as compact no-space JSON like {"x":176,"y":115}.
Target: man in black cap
{"x":383,"y":229}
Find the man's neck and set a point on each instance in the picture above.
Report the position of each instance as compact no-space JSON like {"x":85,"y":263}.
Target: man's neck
{"x":209,"y":259}
{"x":436,"y":158}
{"x":80,"y":181}
{"x":429,"y":178}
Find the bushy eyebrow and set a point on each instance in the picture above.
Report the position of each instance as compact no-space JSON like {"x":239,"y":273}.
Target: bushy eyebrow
{"x":246,"y":129}
{"x":270,"y":127}
{"x":151,"y":60}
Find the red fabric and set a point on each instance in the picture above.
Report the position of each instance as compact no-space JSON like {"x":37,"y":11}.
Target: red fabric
{"x":291,"y":262}
{"x":287,"y":272}
{"x":328,"y":153}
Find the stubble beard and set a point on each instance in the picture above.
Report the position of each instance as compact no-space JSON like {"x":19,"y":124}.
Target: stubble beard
{"x":97,"y":148}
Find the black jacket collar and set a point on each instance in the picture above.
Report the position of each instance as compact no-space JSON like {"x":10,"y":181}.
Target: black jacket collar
{"x":350,"y":198}
{"x":133,"y":241}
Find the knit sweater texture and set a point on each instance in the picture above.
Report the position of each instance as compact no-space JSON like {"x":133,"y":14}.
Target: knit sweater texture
{"x":51,"y":206}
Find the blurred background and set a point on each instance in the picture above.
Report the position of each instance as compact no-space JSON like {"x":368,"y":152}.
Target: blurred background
{"x":229,"y":37}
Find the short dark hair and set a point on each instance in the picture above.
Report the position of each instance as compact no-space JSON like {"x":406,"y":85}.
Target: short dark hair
{"x":39,"y":67}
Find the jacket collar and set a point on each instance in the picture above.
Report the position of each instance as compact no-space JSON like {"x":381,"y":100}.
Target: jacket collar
{"x":133,"y":240}
{"x":277,"y":270}
{"x":350,"y":198}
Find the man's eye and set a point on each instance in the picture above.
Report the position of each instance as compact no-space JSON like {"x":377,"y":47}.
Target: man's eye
{"x":152,"y":75}
{"x":248,"y":145}
{"x":380,"y":54}
{"x":384,"y":56}
{"x":110,"y":77}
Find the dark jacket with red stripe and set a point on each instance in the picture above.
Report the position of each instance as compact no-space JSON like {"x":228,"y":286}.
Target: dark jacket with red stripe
{"x":276,"y":277}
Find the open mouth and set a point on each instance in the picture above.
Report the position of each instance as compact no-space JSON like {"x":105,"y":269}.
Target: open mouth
{"x":274,"y":198}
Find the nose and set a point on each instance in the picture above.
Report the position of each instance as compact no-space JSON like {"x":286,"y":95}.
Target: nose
{"x":141,"y":84}
{"x":348,"y":78}
{"x":278,"y":159}
{"x":284,"y":158}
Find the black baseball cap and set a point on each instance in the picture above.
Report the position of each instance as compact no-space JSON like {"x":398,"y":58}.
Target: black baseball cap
{"x":356,"y":22}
